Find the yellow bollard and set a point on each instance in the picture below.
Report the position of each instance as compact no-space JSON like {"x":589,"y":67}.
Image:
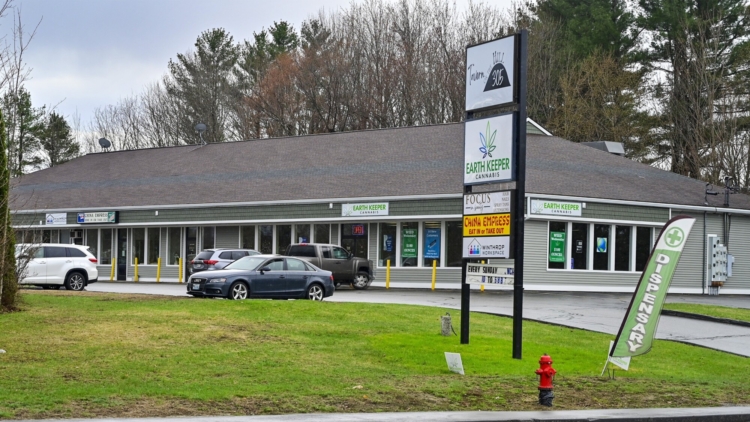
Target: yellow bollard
{"x":158,"y":269}
{"x":135,"y":277}
{"x":112,"y":274}
{"x":434,"y":272}
{"x":481,"y":287}
{"x":179,"y":270}
{"x":388,"y":274}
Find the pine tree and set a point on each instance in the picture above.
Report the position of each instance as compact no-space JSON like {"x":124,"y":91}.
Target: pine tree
{"x":57,"y":142}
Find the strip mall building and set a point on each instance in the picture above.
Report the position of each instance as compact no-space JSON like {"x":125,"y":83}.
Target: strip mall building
{"x":389,"y":195}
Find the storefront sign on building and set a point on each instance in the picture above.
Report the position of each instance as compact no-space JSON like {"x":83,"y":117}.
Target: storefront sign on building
{"x":97,"y":217}
{"x":487,"y":203}
{"x":364,"y":209}
{"x":489,"y":274}
{"x":540,"y":206}
{"x":56,"y":219}
{"x":488,"y":150}
{"x":490,"y":74}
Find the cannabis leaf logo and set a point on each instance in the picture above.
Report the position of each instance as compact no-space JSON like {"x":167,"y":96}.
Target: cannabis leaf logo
{"x":488,"y":142}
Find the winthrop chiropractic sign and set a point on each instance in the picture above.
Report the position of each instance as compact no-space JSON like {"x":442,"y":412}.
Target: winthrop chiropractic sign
{"x":488,"y":150}
{"x":642,"y":318}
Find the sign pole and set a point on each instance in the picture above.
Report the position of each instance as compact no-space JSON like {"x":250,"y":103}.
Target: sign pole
{"x":465,"y":292}
{"x":520,"y":160}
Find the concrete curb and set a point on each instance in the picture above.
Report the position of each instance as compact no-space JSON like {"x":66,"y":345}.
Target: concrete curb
{"x":705,"y":318}
{"x":713,"y":414}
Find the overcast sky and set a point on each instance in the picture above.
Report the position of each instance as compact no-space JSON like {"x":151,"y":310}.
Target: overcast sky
{"x":91,"y":53}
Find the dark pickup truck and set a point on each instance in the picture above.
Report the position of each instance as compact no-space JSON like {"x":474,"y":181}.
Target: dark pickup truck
{"x":346,"y":268}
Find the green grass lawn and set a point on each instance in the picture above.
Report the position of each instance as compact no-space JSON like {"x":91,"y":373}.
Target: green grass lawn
{"x":105,"y":355}
{"x":738,"y":314}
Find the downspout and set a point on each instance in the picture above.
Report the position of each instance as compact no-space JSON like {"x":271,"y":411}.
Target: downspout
{"x":703,"y":286}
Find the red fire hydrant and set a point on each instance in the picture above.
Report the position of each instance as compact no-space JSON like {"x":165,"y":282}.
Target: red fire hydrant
{"x":546,"y":375}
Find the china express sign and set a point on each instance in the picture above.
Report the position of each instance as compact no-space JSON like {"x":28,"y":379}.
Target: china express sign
{"x":487,"y":225}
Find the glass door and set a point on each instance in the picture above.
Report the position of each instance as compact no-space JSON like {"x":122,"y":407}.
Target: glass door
{"x":122,"y":254}
{"x":191,"y":249}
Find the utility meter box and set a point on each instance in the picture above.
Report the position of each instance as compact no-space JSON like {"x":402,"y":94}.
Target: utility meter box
{"x":716,"y":261}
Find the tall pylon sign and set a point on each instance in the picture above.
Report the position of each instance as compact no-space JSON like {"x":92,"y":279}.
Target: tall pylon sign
{"x":495,"y":152}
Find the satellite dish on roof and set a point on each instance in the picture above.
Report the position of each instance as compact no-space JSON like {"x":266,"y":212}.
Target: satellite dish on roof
{"x":105,"y":144}
{"x":200,"y":127}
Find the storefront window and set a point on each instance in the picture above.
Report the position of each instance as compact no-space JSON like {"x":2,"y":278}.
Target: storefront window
{"x":601,"y":247}
{"x":579,"y":253}
{"x":266,"y":239}
{"x":283,"y":237}
{"x":557,"y":245}
{"x":47,"y":237}
{"x":209,"y":237}
{"x":174,"y":246}
{"x":139,"y":245}
{"x":642,"y":247}
{"x":105,"y":252}
{"x":154,"y":239}
{"x":92,"y":239}
{"x":454,"y":243}
{"x":409,"y":244}
{"x":622,"y":248}
{"x":387,"y":244}
{"x":248,"y":237}
{"x":322,"y":233}
{"x":431,"y":241}
{"x":302,"y":233}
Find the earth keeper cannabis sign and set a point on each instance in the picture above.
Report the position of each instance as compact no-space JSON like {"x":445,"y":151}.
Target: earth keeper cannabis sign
{"x":488,"y":150}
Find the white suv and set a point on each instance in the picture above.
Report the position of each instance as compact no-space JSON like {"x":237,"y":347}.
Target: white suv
{"x":53,"y":265}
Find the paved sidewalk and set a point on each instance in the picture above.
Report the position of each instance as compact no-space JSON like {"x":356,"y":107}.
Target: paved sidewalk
{"x":713,"y":414}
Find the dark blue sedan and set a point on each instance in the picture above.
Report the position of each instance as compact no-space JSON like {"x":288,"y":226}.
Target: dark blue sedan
{"x":264,"y":276}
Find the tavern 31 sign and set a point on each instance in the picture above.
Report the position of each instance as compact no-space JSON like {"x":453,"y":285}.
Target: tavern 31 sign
{"x":490,"y":79}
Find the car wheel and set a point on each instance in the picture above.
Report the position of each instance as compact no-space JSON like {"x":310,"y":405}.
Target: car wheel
{"x":75,"y":281}
{"x":315,"y":292}
{"x":238,"y":291}
{"x":361,"y":281}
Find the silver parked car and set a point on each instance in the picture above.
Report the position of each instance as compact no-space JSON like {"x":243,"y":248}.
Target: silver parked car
{"x":216,"y":259}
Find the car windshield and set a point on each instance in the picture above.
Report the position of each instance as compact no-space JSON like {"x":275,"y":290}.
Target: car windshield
{"x":246,"y":263}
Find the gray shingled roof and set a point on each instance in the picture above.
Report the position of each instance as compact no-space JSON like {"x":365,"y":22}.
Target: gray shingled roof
{"x":424,"y":160}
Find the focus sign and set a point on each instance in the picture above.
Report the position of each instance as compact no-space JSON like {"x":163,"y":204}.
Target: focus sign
{"x":487,"y":203}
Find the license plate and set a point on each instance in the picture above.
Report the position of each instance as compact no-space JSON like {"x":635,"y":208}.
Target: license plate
{"x":198,"y":266}
{"x":196,"y":286}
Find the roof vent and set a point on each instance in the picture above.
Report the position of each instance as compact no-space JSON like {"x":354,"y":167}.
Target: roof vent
{"x":615,"y":148}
